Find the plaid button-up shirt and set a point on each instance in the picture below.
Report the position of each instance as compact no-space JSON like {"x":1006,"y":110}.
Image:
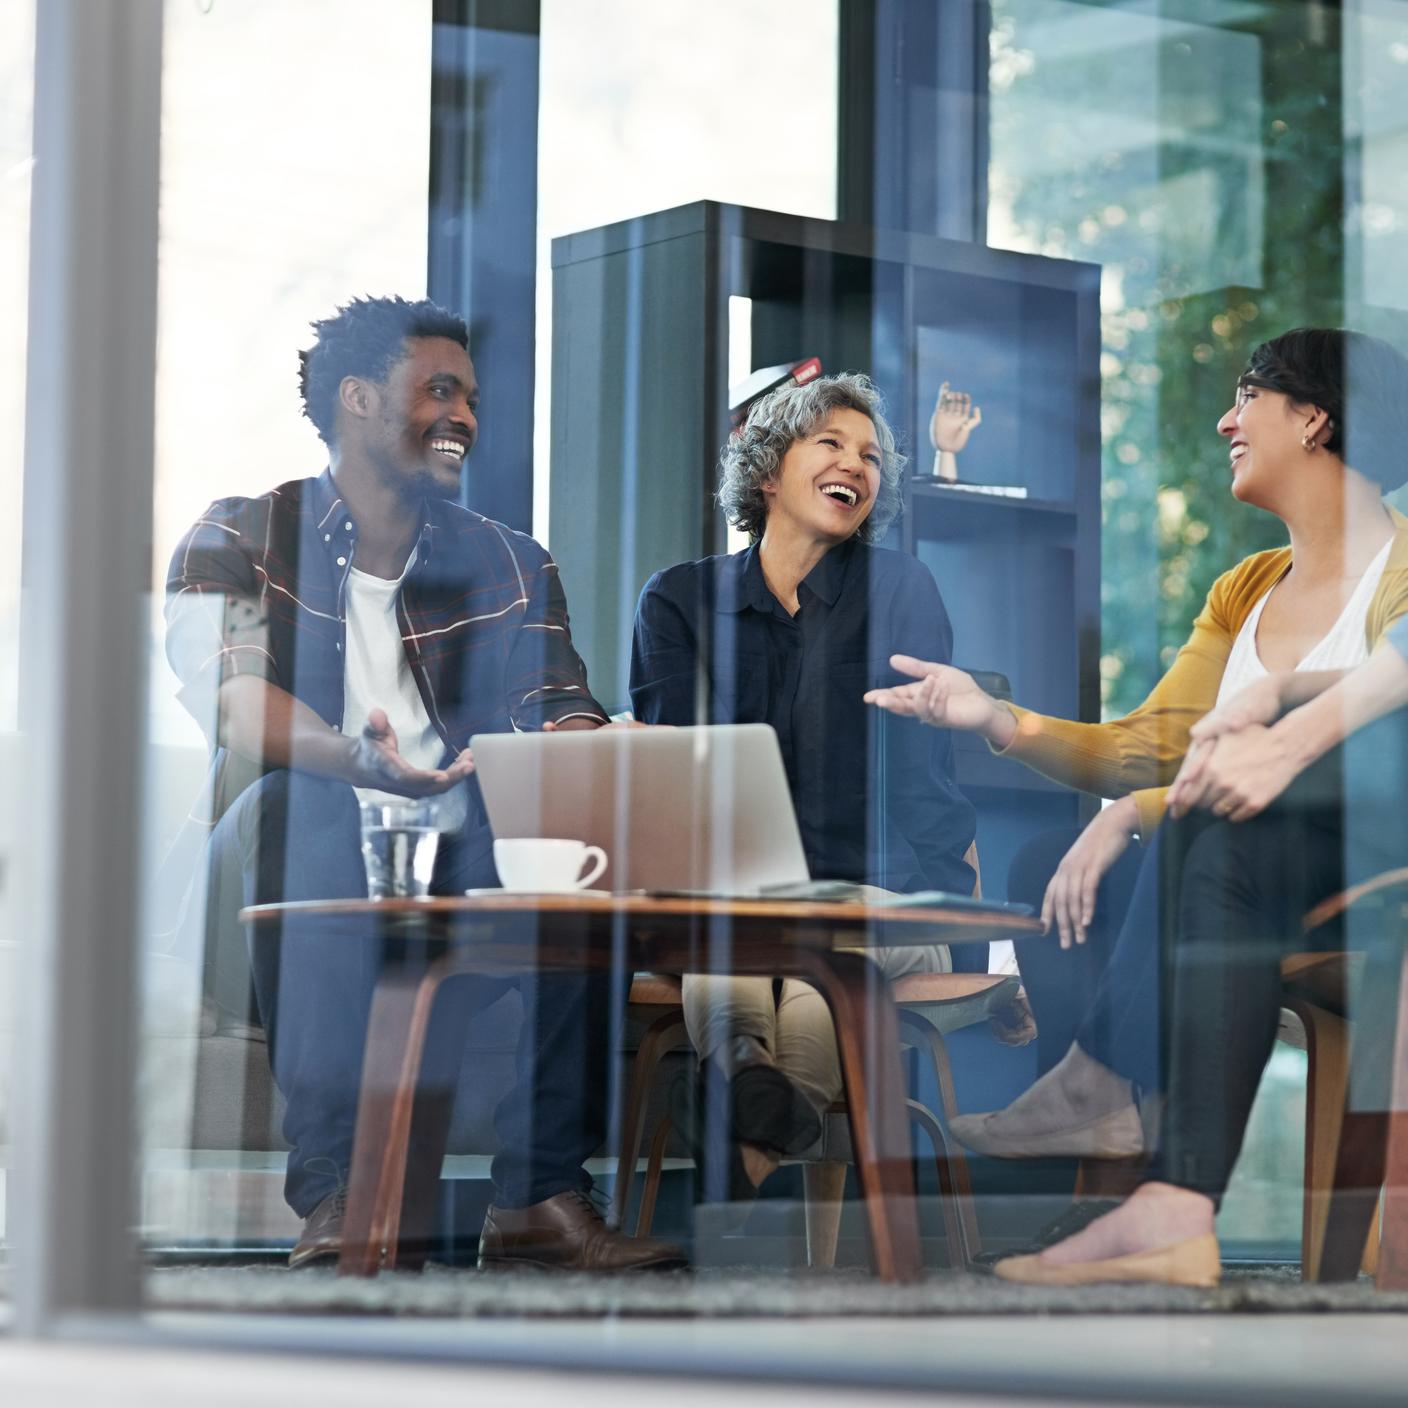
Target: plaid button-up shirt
{"x":258,"y":587}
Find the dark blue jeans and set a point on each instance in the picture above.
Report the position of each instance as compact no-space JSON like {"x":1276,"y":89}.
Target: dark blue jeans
{"x":298,"y":838}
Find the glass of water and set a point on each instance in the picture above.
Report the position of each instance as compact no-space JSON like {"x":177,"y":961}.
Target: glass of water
{"x":399,"y":839}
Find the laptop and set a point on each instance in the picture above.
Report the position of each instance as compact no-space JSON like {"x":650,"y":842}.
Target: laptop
{"x":692,"y":810}
{"x":703,"y":811}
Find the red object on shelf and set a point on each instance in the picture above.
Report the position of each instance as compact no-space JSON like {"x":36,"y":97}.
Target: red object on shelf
{"x":742,"y":396}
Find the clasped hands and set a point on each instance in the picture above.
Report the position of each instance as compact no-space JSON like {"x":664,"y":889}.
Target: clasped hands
{"x":1237,"y":763}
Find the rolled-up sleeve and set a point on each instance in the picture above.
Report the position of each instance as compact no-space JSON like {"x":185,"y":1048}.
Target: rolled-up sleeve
{"x":217,"y":626}
{"x":547,"y":681}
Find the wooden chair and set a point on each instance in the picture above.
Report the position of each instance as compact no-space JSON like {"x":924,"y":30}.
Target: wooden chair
{"x":1313,"y":1019}
{"x":924,"y":1001}
{"x":1315,"y":988}
{"x":1351,"y":1154}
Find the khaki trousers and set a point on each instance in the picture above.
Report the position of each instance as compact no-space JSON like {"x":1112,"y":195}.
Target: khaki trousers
{"x":789,"y":1016}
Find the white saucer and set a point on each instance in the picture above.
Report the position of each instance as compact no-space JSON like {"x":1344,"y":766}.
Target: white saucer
{"x":493,"y":892}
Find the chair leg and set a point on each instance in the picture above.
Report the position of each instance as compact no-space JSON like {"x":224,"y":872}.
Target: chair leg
{"x":1369,"y":1263}
{"x":955,"y":1230}
{"x":823,"y":1183}
{"x":1108,"y":1178}
{"x":1373,"y":1142}
{"x":651,"y":1191}
{"x":662,"y":1036}
{"x":1392,"y":1271}
{"x":954,"y":1163}
{"x":1327,"y":1080}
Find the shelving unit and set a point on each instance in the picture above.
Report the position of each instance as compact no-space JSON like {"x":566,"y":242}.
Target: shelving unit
{"x":641,"y":336}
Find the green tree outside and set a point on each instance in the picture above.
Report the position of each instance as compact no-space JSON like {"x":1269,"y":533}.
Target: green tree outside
{"x":1169,"y":153}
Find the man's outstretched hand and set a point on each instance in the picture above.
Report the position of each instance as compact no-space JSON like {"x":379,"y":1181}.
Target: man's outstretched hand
{"x":377,"y":762}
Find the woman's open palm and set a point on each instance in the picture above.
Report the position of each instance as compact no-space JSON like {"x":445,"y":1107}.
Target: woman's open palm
{"x":941,"y":696}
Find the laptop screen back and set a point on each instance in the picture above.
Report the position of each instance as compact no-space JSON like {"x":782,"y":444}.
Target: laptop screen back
{"x":704,"y":808}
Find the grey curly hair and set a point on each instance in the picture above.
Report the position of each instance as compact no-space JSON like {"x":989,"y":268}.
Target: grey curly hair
{"x":753,"y":456}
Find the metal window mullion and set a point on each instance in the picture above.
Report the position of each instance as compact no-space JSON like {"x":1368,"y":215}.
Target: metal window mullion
{"x":86,"y":574}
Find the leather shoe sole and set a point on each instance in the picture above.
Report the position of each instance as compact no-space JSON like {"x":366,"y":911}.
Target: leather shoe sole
{"x":321,"y":1238}
{"x":520,"y":1261}
{"x":567,"y":1233}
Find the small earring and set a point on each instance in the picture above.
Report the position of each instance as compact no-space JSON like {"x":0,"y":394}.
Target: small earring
{"x":1308,"y":445}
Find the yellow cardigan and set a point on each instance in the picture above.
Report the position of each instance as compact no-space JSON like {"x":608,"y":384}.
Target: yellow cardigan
{"x":1141,"y":753}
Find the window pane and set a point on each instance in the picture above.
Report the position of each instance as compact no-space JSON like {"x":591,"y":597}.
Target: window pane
{"x":1227,"y":165}
{"x":16,"y":115}
{"x":647,"y":105}
{"x":273,"y":212}
{"x":1166,"y":185}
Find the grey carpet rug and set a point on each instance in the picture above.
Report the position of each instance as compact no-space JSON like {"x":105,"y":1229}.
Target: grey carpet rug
{"x":442,"y":1292}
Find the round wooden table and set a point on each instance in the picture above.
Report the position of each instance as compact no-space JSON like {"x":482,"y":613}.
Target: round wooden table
{"x":400,"y":1136}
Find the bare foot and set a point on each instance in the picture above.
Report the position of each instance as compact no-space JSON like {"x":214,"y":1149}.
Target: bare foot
{"x":758,"y":1163}
{"x":1156,"y":1215}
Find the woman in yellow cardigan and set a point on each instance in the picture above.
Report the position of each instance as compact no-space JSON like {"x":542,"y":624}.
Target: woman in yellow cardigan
{"x":1275,"y":631}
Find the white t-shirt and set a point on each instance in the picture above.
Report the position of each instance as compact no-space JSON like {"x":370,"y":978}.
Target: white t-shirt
{"x":1342,"y":647}
{"x":377,"y":675}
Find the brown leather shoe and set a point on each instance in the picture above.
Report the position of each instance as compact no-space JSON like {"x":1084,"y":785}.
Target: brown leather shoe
{"x":567,"y":1233}
{"x":322,"y":1232}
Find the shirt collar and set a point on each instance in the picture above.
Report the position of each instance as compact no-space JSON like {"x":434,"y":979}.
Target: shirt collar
{"x":824,"y":580}
{"x":743,"y":584}
{"x":337,"y":529}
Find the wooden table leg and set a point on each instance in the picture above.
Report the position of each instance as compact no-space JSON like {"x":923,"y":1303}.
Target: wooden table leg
{"x":386,"y":1110}
{"x":867,"y":1035}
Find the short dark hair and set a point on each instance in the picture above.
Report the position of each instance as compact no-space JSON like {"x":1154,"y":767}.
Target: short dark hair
{"x":753,"y":456}
{"x":366,"y":337}
{"x":1359,"y":381}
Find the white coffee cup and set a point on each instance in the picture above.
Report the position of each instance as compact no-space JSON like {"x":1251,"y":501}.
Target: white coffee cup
{"x":537,"y":865}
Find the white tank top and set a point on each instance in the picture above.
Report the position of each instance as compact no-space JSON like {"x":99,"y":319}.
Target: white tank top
{"x":1342,"y":647}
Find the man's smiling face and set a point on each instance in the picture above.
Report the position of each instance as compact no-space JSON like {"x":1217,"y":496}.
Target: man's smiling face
{"x":428,"y":417}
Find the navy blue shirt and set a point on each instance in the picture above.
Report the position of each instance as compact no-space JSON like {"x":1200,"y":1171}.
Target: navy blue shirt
{"x":874,"y":794}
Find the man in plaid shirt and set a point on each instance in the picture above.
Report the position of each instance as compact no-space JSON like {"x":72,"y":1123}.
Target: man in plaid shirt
{"x":342,"y":637}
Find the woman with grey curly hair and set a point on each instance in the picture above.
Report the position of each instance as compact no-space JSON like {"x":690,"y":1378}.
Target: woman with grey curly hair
{"x":791,"y":632}
{"x":753,"y":457}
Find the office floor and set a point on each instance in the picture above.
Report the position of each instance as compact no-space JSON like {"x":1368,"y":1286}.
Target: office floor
{"x":1288,"y":1361}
